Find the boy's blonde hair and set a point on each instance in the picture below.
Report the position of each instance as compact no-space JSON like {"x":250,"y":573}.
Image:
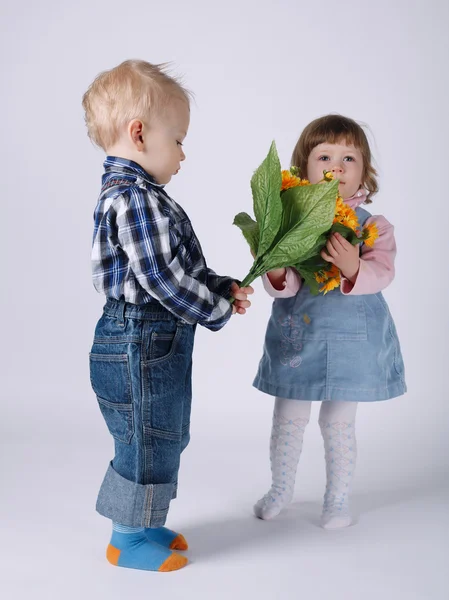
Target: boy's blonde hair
{"x":135,"y":89}
{"x":333,"y":129}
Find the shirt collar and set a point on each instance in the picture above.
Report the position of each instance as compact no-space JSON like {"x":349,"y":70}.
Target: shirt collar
{"x":357,"y":199}
{"x":115,"y":166}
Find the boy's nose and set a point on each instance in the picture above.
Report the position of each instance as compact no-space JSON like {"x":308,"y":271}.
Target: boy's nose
{"x":183,"y":156}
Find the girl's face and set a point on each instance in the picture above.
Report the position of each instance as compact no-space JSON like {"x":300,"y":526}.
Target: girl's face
{"x":344,"y":161}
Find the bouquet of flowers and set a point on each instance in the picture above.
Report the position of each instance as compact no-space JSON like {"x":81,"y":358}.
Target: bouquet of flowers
{"x":294,"y":220}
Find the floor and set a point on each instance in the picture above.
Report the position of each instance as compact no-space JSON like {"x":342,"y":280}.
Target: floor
{"x":54,"y":542}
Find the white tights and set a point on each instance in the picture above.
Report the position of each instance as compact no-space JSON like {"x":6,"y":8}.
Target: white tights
{"x":337,"y":423}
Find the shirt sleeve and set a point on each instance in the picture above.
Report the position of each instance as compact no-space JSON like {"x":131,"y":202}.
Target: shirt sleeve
{"x":143,"y":233}
{"x":220,"y":284}
{"x":376,"y":270}
{"x":292,"y":284}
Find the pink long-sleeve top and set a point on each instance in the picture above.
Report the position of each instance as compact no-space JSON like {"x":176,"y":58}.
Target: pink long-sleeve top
{"x":376,"y":270}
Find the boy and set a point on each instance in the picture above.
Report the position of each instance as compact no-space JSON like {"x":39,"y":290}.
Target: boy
{"x":148,"y":262}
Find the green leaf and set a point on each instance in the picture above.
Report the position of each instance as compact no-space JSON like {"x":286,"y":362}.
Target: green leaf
{"x":266,"y":188}
{"x":314,"y":264}
{"x":256,"y":271}
{"x":250,"y":230}
{"x":309,"y":279}
{"x":316,"y":248}
{"x":309,"y":267}
{"x":308,"y":212}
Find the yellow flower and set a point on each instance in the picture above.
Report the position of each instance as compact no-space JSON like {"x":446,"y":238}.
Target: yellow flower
{"x":333,"y":272}
{"x":370,"y":234}
{"x":345,"y":215}
{"x":289,"y":180}
{"x":328,"y":176}
{"x":340,"y":207}
{"x":330,"y":285}
{"x":350,"y":221}
{"x":331,"y":279}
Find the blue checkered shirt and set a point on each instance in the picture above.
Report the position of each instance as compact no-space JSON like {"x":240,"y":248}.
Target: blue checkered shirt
{"x":145,"y":250}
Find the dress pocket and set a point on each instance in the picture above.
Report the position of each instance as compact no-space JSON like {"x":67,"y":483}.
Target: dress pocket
{"x":111,"y":381}
{"x":330,"y":318}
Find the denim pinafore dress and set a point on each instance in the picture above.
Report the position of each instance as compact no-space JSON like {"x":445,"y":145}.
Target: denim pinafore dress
{"x":332,"y":347}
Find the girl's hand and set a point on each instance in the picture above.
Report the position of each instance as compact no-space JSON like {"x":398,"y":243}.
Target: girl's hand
{"x":343,"y":255}
{"x":240,"y":295}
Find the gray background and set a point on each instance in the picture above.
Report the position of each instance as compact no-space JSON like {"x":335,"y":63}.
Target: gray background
{"x":260,"y":71}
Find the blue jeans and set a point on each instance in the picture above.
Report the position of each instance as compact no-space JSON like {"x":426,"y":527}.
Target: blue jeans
{"x":140,"y":369}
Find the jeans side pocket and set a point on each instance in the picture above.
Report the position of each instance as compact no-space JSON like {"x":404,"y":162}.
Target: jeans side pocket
{"x":111,"y":381}
{"x":163,"y":345}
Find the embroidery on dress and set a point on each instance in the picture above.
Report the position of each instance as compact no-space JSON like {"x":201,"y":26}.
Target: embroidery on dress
{"x":290,"y":345}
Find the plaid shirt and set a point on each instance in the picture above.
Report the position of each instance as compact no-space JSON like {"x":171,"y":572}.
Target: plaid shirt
{"x":145,"y":249}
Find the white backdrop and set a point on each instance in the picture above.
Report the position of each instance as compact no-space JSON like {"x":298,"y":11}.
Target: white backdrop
{"x":260,"y":70}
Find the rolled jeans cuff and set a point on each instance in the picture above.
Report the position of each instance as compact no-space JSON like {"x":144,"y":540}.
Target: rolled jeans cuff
{"x":134,"y":504}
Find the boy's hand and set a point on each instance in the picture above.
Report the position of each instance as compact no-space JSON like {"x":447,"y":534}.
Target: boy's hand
{"x":241,"y":302}
{"x":343,"y":255}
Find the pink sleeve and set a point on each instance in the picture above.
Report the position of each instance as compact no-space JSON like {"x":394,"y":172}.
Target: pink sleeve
{"x":292,"y":284}
{"x":376,"y":264}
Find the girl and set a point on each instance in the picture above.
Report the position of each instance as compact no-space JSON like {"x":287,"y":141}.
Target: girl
{"x":340,"y":348}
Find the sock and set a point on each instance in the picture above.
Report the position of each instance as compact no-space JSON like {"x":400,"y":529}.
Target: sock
{"x":290,"y":419}
{"x":338,"y":430}
{"x":167,"y":537}
{"x":129,"y":547}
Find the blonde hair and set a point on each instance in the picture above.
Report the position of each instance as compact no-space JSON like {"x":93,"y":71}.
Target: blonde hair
{"x":333,"y":129}
{"x":135,"y":89}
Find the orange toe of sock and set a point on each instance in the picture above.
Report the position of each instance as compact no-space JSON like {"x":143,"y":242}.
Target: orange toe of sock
{"x":179,"y":543}
{"x":173,"y":563}
{"x":112,"y":554}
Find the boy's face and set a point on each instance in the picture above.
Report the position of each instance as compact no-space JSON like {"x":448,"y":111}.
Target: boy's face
{"x":343,"y":160}
{"x":161,"y":153}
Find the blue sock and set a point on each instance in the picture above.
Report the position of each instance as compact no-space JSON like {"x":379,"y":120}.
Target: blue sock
{"x":167,"y":537}
{"x":129,"y":547}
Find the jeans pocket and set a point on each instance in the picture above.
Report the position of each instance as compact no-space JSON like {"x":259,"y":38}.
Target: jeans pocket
{"x":163,"y":345}
{"x":111,"y":381}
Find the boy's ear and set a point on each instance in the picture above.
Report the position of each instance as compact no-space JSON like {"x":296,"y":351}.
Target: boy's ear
{"x":135,"y":130}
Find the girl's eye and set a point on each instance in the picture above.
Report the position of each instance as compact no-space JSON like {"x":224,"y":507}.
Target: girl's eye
{"x":179,"y":143}
{"x":349,"y":158}
{"x":323,"y":158}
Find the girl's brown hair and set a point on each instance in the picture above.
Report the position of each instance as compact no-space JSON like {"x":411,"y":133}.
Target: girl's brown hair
{"x":333,"y":129}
